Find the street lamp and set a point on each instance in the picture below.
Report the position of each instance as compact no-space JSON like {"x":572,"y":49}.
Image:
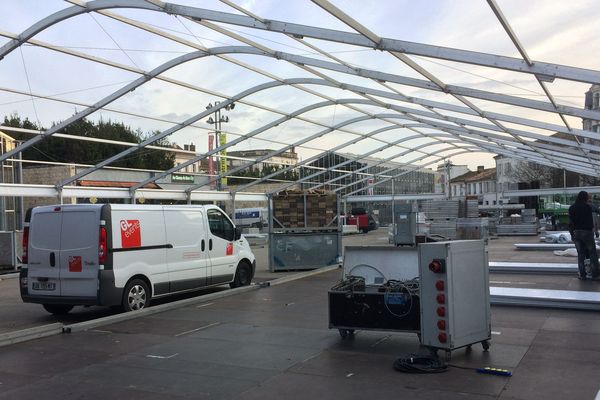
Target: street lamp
{"x":220,"y":138}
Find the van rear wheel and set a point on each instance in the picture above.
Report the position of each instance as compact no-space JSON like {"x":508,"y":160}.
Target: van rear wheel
{"x":57,"y":309}
{"x":243,"y":276}
{"x":136,"y":295}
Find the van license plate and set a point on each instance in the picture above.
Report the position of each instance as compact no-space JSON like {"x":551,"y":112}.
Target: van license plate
{"x":44,"y":286}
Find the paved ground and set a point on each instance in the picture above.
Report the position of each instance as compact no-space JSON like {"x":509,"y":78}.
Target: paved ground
{"x":16,"y":315}
{"x":273,"y":343}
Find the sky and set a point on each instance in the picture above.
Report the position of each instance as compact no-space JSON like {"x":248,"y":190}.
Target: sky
{"x":556,"y":32}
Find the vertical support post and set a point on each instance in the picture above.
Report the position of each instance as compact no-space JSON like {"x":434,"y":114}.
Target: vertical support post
{"x":305,"y":209}
{"x":271,"y":233}
{"x":3,"y":222}
{"x":19,"y":214}
{"x":339,"y":230}
{"x":393,"y":206}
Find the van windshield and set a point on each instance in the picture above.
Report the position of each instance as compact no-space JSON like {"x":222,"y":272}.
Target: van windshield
{"x":220,"y":225}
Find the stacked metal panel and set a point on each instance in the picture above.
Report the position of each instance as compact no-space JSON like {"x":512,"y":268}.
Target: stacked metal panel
{"x":472,"y":228}
{"x":440,"y":209}
{"x":528,"y":216}
{"x":443,"y":215}
{"x":472,"y":209}
{"x":516,"y":229}
{"x":445,"y":228}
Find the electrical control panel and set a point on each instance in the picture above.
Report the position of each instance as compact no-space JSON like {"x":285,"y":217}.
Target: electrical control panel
{"x":454,"y":294}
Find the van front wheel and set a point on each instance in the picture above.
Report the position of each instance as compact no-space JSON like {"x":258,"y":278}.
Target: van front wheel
{"x":136,"y":295}
{"x":57,"y":309}
{"x":243,"y":276}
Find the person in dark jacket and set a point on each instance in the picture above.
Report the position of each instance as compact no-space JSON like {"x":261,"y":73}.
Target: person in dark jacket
{"x":581,"y":227}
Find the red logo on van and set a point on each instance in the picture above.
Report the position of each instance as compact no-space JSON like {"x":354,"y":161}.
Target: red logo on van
{"x":229,"y":249}
{"x":130,"y":233}
{"x":75,"y":264}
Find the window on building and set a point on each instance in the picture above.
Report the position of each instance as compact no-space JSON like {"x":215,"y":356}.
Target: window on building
{"x":596,"y":100}
{"x":480,"y":187}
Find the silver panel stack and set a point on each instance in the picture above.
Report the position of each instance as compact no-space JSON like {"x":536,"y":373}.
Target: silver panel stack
{"x":448,"y":217}
{"x":472,"y":228}
{"x":524,"y":224}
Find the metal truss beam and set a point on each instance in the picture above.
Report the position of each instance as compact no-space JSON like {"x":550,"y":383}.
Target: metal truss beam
{"x":394,"y":197}
{"x":196,"y":13}
{"x":12,"y":190}
{"x":547,"y":71}
{"x":329,"y":151}
{"x":254,"y":51}
{"x":360,"y":157}
{"x":550,"y":191}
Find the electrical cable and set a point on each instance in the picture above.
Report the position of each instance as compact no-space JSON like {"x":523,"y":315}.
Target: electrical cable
{"x":416,"y":364}
{"x":410,"y":287}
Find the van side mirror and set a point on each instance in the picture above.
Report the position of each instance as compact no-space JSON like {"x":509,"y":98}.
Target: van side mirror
{"x":238,"y":233}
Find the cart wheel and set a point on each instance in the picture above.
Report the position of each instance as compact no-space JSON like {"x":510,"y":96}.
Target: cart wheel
{"x":346,"y":333}
{"x":433,"y":352}
{"x":468,"y":349}
{"x":447,"y":355}
{"x":486,"y":345}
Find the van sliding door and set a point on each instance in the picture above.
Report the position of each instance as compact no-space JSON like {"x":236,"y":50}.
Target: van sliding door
{"x":188,"y":258}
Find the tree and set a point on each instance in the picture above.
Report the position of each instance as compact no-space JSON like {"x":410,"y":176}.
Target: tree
{"x":57,"y":149}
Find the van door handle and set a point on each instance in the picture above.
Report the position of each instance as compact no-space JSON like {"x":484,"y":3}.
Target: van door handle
{"x":209,"y":244}
{"x":52,"y":259}
{"x":202,"y":245}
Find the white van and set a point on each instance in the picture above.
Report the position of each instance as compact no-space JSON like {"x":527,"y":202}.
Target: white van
{"x":251,"y":217}
{"x":124,"y":255}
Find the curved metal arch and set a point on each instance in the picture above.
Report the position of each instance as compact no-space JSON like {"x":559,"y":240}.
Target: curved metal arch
{"x":333,"y":149}
{"x":412,"y":100}
{"x":301,"y":142}
{"x":357,"y":159}
{"x":70,"y":12}
{"x":423,"y":84}
{"x":464,"y":56}
{"x":259,"y":130}
{"x":383,"y":161}
{"x":499,"y":139}
{"x":414,"y":168}
{"x":188,"y":57}
{"x":147,"y":77}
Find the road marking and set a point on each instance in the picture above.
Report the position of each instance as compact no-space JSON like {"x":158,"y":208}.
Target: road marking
{"x":383,"y":339}
{"x":204,"y":305}
{"x":496,"y":333}
{"x":197,"y":329}
{"x":100,"y":331}
{"x":162,"y":357}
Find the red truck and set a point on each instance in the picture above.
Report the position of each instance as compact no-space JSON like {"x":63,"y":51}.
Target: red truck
{"x":362,"y":219}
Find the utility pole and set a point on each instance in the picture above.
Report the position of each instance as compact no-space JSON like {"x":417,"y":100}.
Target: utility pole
{"x":220,"y":140}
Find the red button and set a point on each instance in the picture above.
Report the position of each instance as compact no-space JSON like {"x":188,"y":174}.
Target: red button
{"x":441,"y":311}
{"x":441,"y":298}
{"x":439,"y":285}
{"x":441,"y":325}
{"x":442,"y":337}
{"x":435,"y":266}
